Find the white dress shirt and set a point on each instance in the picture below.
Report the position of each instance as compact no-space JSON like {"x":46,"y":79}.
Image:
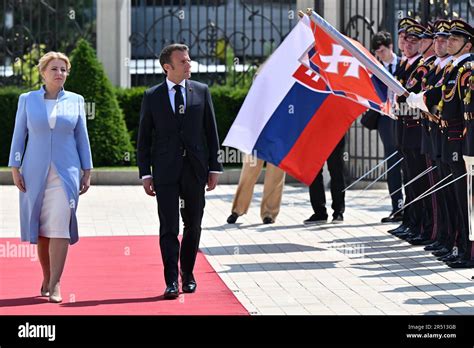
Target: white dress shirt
{"x":171,"y":94}
{"x":51,"y":111}
{"x":442,"y":62}
{"x":393,"y":62}
{"x":458,"y":59}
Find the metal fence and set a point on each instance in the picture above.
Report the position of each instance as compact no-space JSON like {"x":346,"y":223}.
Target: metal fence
{"x":227,"y":38}
{"x":29,"y":28}
{"x":360,"y":19}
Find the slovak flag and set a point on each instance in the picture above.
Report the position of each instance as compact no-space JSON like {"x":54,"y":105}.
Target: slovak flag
{"x":290,"y":117}
{"x":344,"y":74}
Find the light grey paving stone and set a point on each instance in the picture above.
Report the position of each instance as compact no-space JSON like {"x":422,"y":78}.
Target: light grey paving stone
{"x":288,"y":268}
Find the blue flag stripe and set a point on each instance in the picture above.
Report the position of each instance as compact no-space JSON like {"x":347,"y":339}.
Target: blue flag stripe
{"x":287,"y":123}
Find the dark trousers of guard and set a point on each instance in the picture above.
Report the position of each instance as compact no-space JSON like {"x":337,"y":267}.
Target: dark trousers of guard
{"x":463,"y":243}
{"x":336,"y":169}
{"x":446,"y":198}
{"x":430,"y":203}
{"x":408,"y":218}
{"x":421,"y":212}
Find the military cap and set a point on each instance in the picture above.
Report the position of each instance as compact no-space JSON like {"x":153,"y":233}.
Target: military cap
{"x":416,"y":30}
{"x":404,"y":23}
{"x":429,"y":31}
{"x":459,"y":27}
{"x":442,"y":27}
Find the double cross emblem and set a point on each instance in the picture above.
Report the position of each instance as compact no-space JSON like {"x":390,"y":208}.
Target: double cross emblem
{"x":337,"y":58}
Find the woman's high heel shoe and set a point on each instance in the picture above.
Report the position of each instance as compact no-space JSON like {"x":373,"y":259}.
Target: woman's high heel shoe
{"x":44,"y":293}
{"x":55,"y":298}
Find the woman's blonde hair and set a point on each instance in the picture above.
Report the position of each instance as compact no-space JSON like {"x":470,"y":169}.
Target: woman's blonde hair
{"x":48,"y":57}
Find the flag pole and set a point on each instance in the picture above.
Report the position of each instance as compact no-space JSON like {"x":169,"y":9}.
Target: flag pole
{"x":383,"y":74}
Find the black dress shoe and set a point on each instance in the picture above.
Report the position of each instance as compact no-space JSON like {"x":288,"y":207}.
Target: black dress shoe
{"x":172,"y":291}
{"x":461,"y":264}
{"x":420,"y":241}
{"x":268,"y":220}
{"x":337,"y":219}
{"x":232,"y":218}
{"x":449,"y":258}
{"x":442,"y":252}
{"x":189,"y":283}
{"x":316,"y":220}
{"x":392,"y":219}
{"x":409,"y":233}
{"x":399,"y":232}
{"x":434,"y":246}
{"x":400,"y":228}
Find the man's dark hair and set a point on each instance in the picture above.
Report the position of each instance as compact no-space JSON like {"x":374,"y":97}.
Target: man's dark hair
{"x":165,"y":55}
{"x":382,"y":38}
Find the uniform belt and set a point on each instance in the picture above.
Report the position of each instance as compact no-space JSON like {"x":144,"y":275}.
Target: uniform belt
{"x":409,"y":122}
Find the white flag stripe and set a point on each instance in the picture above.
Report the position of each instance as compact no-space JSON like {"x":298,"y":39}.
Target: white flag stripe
{"x":269,"y":89}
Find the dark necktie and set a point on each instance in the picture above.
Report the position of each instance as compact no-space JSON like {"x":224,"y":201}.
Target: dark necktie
{"x":390,"y":66}
{"x":178,"y":102}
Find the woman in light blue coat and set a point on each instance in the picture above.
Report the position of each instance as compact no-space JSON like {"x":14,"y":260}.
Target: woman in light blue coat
{"x":49,"y":148}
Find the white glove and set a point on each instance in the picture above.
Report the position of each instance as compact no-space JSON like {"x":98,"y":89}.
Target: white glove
{"x":416,"y":101}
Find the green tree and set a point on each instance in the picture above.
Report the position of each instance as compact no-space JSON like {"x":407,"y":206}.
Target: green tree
{"x":110,"y":141}
{"x":26,"y":66}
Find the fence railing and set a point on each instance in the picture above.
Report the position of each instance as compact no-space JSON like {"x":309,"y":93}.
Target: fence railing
{"x":29,"y":28}
{"x":227,"y":39}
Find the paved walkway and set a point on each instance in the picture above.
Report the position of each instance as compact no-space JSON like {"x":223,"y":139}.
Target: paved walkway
{"x":287,"y":268}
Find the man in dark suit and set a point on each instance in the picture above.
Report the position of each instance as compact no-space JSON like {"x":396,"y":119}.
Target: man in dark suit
{"x":383,"y":48}
{"x":317,"y":195}
{"x":178,"y":140}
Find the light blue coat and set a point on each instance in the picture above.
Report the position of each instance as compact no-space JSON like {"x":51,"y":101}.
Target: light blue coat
{"x":66,"y":147}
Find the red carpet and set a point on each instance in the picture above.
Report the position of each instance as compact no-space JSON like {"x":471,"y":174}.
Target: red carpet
{"x":108,"y":276}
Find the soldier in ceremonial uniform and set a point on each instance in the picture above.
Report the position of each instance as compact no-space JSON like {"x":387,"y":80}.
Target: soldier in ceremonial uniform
{"x":451,"y":110}
{"x":417,"y":140}
{"x":468,"y":149}
{"x":409,"y":133}
{"x":410,"y":59}
{"x":402,"y":25}
{"x":445,"y":224}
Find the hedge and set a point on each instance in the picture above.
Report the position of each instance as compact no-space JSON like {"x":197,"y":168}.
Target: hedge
{"x":227,"y":103}
{"x":108,"y":134}
{"x":8,"y":105}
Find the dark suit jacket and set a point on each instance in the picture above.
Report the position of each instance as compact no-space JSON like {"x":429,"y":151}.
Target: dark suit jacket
{"x":373,"y":116}
{"x":162,"y":138}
